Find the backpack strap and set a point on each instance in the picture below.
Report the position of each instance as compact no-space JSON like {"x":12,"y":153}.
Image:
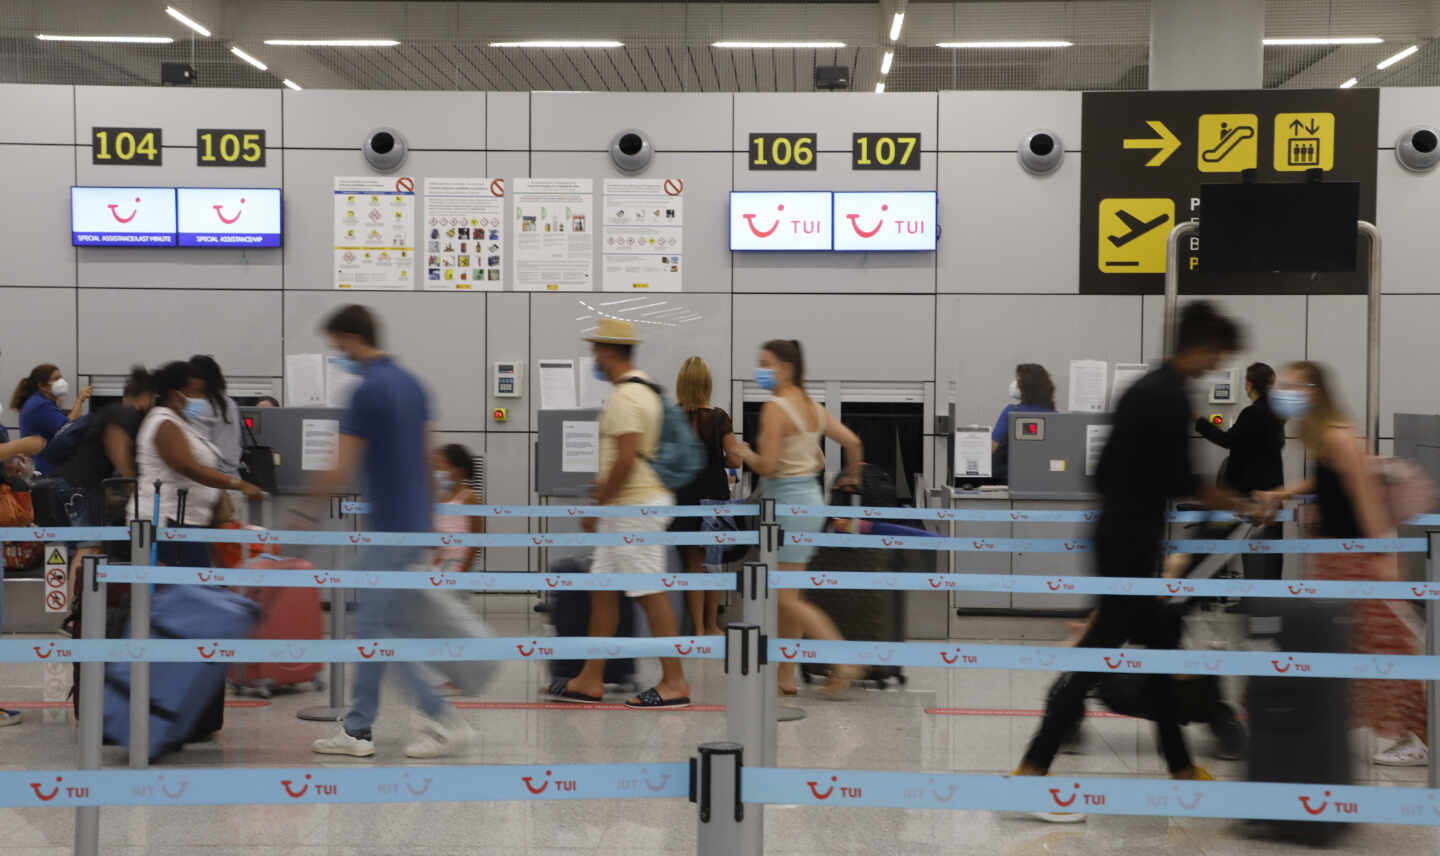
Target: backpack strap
{"x":660,"y":432}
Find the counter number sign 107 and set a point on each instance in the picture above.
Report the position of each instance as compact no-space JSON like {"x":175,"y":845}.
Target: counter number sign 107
{"x":885,"y":150}
{"x":782,"y":151}
{"x":126,"y":146}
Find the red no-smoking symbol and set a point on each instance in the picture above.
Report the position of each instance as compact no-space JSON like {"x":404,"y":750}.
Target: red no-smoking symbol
{"x":497,"y":187}
{"x":405,"y":184}
{"x":55,"y":600}
{"x":55,"y":578}
{"x":674,"y":186}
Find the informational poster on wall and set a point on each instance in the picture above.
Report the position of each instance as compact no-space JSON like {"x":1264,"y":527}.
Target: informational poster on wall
{"x":375,"y":233}
{"x":644,"y":222}
{"x":554,"y":247}
{"x":464,"y":237}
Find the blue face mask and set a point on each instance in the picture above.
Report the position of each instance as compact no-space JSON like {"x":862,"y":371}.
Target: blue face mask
{"x":599,"y":372}
{"x":1289,"y":403}
{"x":348,"y":365}
{"x":765,"y":379}
{"x":196,"y":409}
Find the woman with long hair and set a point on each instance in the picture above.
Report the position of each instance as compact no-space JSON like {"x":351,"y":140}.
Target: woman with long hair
{"x":1031,"y":391}
{"x":37,"y":400}
{"x":1350,"y":501}
{"x":789,"y":461}
{"x":213,"y":411}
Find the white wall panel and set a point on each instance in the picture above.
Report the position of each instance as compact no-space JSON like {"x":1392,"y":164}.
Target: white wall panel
{"x":507,"y":121}
{"x":706,"y":256}
{"x":1004,"y":230}
{"x":120,"y":327}
{"x":1408,"y":356}
{"x":178,"y":111}
{"x":508,"y":468}
{"x":834,"y":116}
{"x":981,"y":121}
{"x":1407,"y":207}
{"x":340,"y":119}
{"x":845,"y":336}
{"x":27,"y":343}
{"x":1404,"y":106}
{"x":310,"y":206}
{"x":36,"y":241}
{"x":981,"y":338}
{"x":587,"y":121}
{"x":438,"y":335}
{"x":37,"y":114}
{"x":1337,"y":326}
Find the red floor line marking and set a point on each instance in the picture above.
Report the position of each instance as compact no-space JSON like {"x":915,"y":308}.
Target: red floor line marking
{"x":559,"y":705}
{"x":998,"y":711}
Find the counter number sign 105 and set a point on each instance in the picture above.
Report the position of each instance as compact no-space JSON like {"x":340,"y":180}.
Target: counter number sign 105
{"x":888,"y":150}
{"x":229,"y":147}
{"x":782,"y":151}
{"x":125,"y":146}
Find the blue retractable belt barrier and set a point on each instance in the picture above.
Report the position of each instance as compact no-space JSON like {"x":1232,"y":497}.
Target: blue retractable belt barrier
{"x":441,"y":539}
{"x":299,"y":786}
{"x":994,"y":515}
{"x":64,"y":533}
{"x":1240,"y":800}
{"x":356,"y":650}
{"x":1083,"y":545}
{"x":443,"y":580}
{"x":577,"y":511}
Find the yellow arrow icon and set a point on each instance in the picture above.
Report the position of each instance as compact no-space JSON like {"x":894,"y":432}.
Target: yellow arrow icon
{"x":1164,"y":145}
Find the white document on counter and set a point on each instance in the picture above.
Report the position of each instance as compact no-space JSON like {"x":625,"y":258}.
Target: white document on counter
{"x":557,"y":384}
{"x":1096,"y":436}
{"x":972,"y":452}
{"x":581,"y":441}
{"x":1087,"y":385}
{"x":319,"y":444}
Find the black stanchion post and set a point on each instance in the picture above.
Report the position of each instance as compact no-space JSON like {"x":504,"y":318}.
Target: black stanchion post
{"x":715,"y":786}
{"x":142,"y":536}
{"x":745,"y":721}
{"x":91,"y":690}
{"x":338,"y":604}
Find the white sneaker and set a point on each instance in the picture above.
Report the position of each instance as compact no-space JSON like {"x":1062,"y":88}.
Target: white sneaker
{"x":1410,"y":752}
{"x":440,"y":739}
{"x":343,"y":744}
{"x":1058,"y":817}
{"x":11,"y":717}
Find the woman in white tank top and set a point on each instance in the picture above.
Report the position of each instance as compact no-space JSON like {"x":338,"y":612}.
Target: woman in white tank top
{"x":790,"y":463}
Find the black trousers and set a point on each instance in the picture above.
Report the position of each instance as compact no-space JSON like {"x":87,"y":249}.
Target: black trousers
{"x":1265,"y":567}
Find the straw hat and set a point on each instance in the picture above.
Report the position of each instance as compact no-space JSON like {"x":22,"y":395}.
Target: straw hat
{"x":613,"y":331}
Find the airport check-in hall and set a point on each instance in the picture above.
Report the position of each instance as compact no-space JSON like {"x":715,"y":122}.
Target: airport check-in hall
{"x":720,"y":428}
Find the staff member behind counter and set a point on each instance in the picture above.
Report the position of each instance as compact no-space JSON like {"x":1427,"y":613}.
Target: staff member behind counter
{"x":1031,"y":391}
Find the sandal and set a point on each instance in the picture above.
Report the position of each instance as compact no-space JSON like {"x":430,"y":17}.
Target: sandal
{"x":652,"y":700}
{"x":558,"y":691}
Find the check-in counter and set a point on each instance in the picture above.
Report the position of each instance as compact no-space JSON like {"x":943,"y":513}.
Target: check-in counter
{"x":979,"y":563}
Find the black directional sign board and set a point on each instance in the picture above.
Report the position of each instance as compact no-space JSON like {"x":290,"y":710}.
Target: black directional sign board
{"x":1146,"y":154}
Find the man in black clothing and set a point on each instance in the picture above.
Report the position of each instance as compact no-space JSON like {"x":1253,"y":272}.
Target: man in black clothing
{"x":1145,"y":465}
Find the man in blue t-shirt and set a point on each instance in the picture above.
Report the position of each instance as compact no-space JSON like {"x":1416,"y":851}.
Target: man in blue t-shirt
{"x":385,"y":441}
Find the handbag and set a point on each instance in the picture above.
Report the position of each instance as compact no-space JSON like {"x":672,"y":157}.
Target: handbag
{"x":257,"y":462}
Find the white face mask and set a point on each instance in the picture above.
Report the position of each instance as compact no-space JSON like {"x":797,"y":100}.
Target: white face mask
{"x":1015,"y":390}
{"x":60,"y":387}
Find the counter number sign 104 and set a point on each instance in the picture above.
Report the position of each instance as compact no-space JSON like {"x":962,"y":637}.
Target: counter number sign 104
{"x":782,"y":151}
{"x":229,"y":147}
{"x":885,"y":150}
{"x":125,"y":146}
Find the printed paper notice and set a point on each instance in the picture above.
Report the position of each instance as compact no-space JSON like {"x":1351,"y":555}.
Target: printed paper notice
{"x":582,"y":447}
{"x":554,"y":247}
{"x":375,"y":233}
{"x":464,"y":237}
{"x":1096,"y":436}
{"x":972,"y":453}
{"x":1125,"y":376}
{"x":1087,"y":386}
{"x":339,"y":383}
{"x":305,"y":380}
{"x":643,"y":226}
{"x":319,"y":444}
{"x":593,"y":390}
{"x":557,"y":385}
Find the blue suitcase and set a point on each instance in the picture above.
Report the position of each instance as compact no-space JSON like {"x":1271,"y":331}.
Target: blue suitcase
{"x":180,"y":693}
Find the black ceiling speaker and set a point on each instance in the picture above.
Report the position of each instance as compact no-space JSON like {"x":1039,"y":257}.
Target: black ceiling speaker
{"x":177,"y":74}
{"x":832,"y":77}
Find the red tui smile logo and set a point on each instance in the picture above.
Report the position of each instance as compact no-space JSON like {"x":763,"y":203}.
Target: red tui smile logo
{"x":44,"y":797}
{"x":291,"y":792}
{"x":788,"y":654}
{"x":1119,"y":661}
{"x":684,"y":650}
{"x":220,"y":212}
{"x":855,"y":224}
{"x":1066,"y":803}
{"x":815,"y":789}
{"x":115,"y":212}
{"x":750,"y":221}
{"x":530,"y":784}
{"x":1305,"y":803}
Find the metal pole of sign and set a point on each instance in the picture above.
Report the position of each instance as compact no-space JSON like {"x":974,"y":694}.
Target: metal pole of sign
{"x":142,"y":534}
{"x":1372,"y":339}
{"x":715,"y":786}
{"x":92,"y":685}
{"x":1172,"y":279}
{"x":745,"y":722}
{"x":339,"y":600}
{"x":1432,"y":647}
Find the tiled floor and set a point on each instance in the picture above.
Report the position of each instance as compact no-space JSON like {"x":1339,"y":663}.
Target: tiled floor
{"x":872,"y":730}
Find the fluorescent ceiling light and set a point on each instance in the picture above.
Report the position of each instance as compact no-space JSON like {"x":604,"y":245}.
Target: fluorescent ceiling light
{"x":880,"y":87}
{"x":561,"y":43}
{"x":138,"y":40}
{"x":248,"y":58}
{"x":885,"y":63}
{"x":1389,"y":61}
{"x":777,"y":45}
{"x":1032,"y":44}
{"x":332,"y":43}
{"x":1325,"y":40}
{"x":1349,"y":83}
{"x":292,"y":84}
{"x":187,"y":21}
{"x":895,"y":24}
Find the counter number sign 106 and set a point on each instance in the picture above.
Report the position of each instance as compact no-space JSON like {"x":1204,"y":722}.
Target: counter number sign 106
{"x":782,"y":151}
{"x":126,"y":146}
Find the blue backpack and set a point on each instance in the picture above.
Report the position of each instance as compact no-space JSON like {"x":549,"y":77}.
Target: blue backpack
{"x":680,"y":457}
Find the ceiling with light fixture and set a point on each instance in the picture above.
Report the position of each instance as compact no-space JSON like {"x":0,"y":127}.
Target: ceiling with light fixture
{"x":702,"y":45}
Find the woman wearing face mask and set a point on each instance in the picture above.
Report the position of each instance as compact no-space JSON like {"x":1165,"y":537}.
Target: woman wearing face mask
{"x":173,"y":451}
{"x":454,"y":471}
{"x":790,"y":461}
{"x":1031,"y":391}
{"x":213,"y":412}
{"x":37,"y":400}
{"x":1351,"y":505}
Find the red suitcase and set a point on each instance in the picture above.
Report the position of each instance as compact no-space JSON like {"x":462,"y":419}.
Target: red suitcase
{"x":289,"y":613}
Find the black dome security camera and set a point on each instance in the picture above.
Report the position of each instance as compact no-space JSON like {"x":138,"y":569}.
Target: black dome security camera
{"x":1418,"y":148}
{"x":1040,"y":152}
{"x":631,"y":150}
{"x":384,"y":149}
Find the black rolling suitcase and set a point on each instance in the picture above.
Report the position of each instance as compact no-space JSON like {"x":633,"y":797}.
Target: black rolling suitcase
{"x":1300,"y":726}
{"x":570,"y":613}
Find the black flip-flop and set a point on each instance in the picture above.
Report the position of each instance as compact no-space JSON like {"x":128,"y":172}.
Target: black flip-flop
{"x":651,"y":700}
{"x":557,"y":692}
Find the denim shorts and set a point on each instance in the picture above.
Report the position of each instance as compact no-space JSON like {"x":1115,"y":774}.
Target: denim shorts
{"x":795,"y":490}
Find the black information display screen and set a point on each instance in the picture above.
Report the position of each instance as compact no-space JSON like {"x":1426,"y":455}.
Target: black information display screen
{"x":1279,"y":227}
